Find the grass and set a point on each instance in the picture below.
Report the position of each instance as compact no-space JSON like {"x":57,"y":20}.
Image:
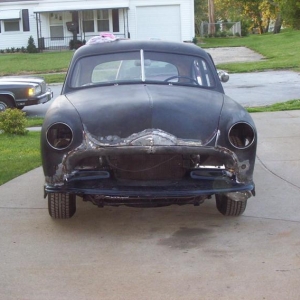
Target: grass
{"x":18,"y":154}
{"x":280,"y":51}
{"x":34,"y":63}
{"x":34,"y":121}
{"x":282,"y":106}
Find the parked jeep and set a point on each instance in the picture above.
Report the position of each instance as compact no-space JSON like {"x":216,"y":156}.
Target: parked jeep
{"x":20,"y":91}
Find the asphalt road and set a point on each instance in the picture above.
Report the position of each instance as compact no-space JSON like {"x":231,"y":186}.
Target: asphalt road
{"x":249,"y":89}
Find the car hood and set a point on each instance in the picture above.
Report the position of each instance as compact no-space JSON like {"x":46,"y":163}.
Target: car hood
{"x":123,"y":110}
{"x":20,"y":79}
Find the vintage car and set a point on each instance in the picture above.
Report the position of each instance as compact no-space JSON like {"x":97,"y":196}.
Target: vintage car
{"x":146,"y":123}
{"x":20,"y":91}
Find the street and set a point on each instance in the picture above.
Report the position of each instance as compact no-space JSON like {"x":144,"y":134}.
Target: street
{"x":248,"y":89}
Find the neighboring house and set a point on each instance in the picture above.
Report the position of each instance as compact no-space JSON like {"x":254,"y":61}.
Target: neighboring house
{"x":54,"y":23}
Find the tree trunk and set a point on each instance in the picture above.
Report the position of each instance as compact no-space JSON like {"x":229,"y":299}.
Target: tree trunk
{"x":278,"y":24}
{"x":211,"y":17}
{"x":267,"y":26}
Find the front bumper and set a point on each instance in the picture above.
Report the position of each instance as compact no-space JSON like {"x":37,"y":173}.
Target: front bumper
{"x":40,"y":99}
{"x":196,"y":183}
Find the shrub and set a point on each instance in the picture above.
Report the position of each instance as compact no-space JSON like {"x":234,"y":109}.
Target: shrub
{"x":31,"y":48}
{"x":75,"y":44}
{"x":13,"y":121}
{"x":195,"y":40}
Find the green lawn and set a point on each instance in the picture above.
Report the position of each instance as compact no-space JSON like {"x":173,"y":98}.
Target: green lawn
{"x":18,"y":154}
{"x":34,"y":63}
{"x":281,"y":51}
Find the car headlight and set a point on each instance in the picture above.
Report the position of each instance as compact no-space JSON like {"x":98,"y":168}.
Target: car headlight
{"x":59,"y":136}
{"x":34,"y":91}
{"x":241,"y":135}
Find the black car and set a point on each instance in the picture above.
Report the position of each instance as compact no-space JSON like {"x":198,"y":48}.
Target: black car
{"x":146,"y":123}
{"x":20,"y":91}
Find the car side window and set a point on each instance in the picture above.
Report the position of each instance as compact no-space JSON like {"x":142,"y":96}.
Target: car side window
{"x":202,"y":73}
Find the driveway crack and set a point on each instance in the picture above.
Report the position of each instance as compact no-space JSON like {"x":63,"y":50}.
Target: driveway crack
{"x":278,"y":176}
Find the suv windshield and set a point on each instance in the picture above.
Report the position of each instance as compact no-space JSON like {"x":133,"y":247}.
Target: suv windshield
{"x":140,"y":66}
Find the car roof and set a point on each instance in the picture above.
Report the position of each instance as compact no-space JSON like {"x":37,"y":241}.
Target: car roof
{"x":148,"y":45}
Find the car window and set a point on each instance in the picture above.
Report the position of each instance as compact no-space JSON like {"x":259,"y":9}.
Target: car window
{"x":157,"y":67}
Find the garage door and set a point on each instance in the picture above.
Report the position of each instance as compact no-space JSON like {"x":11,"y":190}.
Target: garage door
{"x":161,"y":22}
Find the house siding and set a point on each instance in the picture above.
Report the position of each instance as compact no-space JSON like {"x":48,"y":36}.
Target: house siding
{"x":20,"y":38}
{"x":41,"y":9}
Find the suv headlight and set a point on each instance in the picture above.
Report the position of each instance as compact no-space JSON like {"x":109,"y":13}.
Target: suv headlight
{"x":34,"y":91}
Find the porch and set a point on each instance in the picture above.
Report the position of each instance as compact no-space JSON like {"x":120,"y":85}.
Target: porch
{"x":65,"y":29}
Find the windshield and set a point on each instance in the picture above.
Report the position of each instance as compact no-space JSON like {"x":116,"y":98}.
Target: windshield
{"x":140,"y":66}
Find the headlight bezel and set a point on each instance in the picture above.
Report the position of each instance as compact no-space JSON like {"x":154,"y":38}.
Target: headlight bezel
{"x":35,"y":90}
{"x":241,"y":135}
{"x":59,"y":136}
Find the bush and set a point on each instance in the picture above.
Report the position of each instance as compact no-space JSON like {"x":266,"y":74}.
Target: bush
{"x":31,"y":48}
{"x":75,"y":44}
{"x":13,"y":121}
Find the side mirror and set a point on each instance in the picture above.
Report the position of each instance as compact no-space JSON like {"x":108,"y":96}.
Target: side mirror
{"x":224,"y":77}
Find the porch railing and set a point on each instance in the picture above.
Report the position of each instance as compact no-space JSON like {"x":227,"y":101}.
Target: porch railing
{"x":64,"y":43}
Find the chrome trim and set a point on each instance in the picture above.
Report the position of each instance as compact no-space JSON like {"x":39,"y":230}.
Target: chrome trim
{"x":254,"y":135}
{"x":50,"y":143}
{"x":143,"y":65}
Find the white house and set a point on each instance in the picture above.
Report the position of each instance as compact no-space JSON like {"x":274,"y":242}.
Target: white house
{"x":54,"y":23}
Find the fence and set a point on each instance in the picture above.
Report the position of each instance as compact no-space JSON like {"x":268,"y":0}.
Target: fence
{"x":62,"y":43}
{"x":220,"y":29}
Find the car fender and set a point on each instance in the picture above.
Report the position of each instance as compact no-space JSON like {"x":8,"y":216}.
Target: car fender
{"x":9,"y":94}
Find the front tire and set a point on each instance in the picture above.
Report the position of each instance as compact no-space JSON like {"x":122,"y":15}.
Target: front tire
{"x":228,"y":207}
{"x":5,"y":103}
{"x":61,"y":205}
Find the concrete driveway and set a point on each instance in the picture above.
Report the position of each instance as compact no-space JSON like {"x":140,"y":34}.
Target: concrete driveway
{"x":161,"y":253}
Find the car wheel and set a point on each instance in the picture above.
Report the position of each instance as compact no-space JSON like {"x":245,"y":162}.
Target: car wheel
{"x":228,"y":207}
{"x":61,"y":205}
{"x":5,"y":103}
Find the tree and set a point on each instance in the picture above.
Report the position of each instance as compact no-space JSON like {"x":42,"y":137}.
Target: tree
{"x":256,"y":13}
{"x":200,"y":14}
{"x":31,"y":48}
{"x":211,"y":17}
{"x":290,"y":12}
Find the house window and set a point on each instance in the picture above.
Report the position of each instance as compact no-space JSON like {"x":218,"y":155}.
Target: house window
{"x":103,"y":20}
{"x":88,"y":21}
{"x":56,"y":26}
{"x":11,"y":25}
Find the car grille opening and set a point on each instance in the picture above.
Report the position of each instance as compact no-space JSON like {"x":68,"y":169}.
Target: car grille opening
{"x":147,"y":166}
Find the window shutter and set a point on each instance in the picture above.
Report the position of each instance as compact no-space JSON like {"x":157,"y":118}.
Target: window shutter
{"x":25,"y":20}
{"x":115,"y":19}
{"x":75,"y":19}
